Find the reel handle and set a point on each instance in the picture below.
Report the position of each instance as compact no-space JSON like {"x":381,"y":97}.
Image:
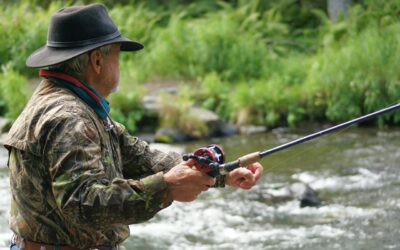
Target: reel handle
{"x":207,"y":159}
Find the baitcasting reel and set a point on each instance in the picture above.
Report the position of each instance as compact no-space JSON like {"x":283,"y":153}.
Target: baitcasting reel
{"x":207,"y":159}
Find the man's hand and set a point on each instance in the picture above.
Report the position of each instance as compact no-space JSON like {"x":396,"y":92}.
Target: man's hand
{"x":246,"y":177}
{"x":185,"y":183}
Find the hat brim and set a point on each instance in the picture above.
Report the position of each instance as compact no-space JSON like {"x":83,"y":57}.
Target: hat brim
{"x":48,"y":56}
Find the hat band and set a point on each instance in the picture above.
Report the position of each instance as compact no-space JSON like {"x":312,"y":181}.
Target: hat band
{"x":84,"y":42}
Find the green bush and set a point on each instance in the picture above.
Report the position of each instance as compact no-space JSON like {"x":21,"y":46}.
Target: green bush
{"x":213,"y":94}
{"x":136,"y":21}
{"x":13,"y":92}
{"x":187,"y":49}
{"x":264,"y":62}
{"x":127,"y":109}
{"x":23,"y":29}
{"x":358,"y":77}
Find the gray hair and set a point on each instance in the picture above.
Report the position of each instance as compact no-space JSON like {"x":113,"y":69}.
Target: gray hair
{"x":77,"y":66}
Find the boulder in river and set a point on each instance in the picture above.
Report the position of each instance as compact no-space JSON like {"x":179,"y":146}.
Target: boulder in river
{"x":302,"y":192}
{"x":307,"y":196}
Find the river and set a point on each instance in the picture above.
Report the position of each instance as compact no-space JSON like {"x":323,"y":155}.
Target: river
{"x":356,"y":173}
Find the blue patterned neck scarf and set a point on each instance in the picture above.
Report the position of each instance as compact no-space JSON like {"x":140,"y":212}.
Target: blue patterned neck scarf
{"x":88,"y":94}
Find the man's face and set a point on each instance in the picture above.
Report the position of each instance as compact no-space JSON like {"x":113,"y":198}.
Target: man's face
{"x":110,"y":73}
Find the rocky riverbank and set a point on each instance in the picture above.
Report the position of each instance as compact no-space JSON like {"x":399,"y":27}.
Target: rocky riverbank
{"x":211,"y":123}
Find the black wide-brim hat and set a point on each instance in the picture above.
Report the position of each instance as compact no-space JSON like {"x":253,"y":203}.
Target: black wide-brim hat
{"x":77,"y":30}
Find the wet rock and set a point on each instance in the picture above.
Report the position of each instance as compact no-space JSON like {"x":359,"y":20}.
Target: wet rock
{"x":226,"y":129}
{"x":280,"y":130}
{"x":302,"y":192}
{"x":214,"y":124}
{"x":169,"y":135}
{"x":151,"y":102}
{"x":152,"y":105}
{"x":207,"y":117}
{"x":252,"y":129}
{"x":307,"y":196}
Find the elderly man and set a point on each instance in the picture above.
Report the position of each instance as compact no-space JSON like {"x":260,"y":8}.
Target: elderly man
{"x":78,"y":179}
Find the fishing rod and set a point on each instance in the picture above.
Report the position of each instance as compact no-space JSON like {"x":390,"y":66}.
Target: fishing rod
{"x":211,"y":159}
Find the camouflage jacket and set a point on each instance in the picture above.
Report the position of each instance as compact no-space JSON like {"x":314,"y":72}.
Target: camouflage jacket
{"x":75,"y":183}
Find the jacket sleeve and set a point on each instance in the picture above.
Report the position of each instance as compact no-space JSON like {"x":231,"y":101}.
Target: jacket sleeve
{"x":136,"y":152}
{"x":139,"y":159}
{"x":82,"y":185}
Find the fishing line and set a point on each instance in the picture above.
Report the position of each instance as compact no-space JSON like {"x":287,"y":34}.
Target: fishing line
{"x":308,"y":147}
{"x":298,"y":155}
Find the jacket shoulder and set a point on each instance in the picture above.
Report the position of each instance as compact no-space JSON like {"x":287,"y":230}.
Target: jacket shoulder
{"x":49,"y":108}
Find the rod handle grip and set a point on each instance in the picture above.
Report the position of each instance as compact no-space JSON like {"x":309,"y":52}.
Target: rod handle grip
{"x":249,"y":159}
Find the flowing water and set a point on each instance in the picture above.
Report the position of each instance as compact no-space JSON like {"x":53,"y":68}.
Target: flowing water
{"x":356,"y":173}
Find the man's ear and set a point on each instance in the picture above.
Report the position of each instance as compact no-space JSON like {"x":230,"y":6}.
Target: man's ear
{"x":96,"y":60}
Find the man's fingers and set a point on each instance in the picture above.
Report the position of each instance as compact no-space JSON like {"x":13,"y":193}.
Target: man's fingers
{"x":247,"y":184}
{"x":256,"y":169}
{"x":211,"y":181}
{"x":207,"y":179}
{"x":203,"y":178}
{"x":190,"y":163}
{"x":243,"y":178}
{"x":244,"y":174}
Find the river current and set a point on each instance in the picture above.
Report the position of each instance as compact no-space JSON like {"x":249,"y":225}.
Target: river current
{"x":356,"y":173}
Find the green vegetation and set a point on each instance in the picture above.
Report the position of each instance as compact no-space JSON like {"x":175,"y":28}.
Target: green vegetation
{"x":13,"y":92}
{"x":253,"y":62}
{"x":176,"y":115}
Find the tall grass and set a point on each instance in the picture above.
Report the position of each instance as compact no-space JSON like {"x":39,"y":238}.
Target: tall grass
{"x":276,"y":100}
{"x":214,"y":94}
{"x":253,"y":62}
{"x":358,"y":77}
{"x":23,"y":29}
{"x":13,"y":92}
{"x":176,"y":114}
{"x":187,"y":49}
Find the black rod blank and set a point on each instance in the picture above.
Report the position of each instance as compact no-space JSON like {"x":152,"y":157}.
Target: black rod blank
{"x":223,"y":169}
{"x":329,"y":130}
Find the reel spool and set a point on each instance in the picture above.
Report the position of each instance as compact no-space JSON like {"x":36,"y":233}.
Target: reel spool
{"x":207,"y":157}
